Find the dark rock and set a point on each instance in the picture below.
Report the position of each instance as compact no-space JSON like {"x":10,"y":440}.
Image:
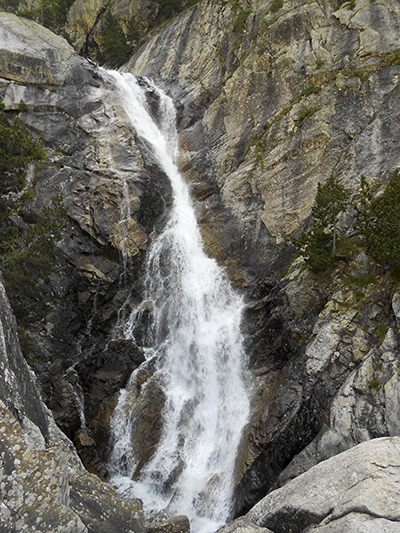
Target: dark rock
{"x":18,"y":384}
{"x":43,"y":481}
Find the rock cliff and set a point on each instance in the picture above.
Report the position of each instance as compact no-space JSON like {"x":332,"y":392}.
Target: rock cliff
{"x":274,"y":97}
{"x":44,"y":486}
{"x":109,"y":216}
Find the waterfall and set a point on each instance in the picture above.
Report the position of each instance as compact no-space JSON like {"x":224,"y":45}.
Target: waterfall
{"x":196,"y":346}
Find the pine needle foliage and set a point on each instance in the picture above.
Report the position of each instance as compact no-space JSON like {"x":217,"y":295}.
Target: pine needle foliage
{"x":319,"y":246}
{"x":378,"y":219}
{"x":17,"y":150}
{"x":115,"y":50}
{"x":28,"y":262}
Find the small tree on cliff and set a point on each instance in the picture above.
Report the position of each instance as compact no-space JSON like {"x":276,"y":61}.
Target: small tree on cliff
{"x":115,"y":50}
{"x":319,"y":245}
{"x":378,"y":219}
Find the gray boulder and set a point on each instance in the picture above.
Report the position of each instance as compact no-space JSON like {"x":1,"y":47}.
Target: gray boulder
{"x":355,"y":489}
{"x":30,"y":53}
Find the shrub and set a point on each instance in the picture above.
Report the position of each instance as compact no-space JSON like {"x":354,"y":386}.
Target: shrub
{"x":115,"y":50}
{"x":276,"y":6}
{"x":30,"y":261}
{"x":17,"y":150}
{"x":375,"y":384}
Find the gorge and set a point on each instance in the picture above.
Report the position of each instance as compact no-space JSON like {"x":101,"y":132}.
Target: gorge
{"x":266,"y":109}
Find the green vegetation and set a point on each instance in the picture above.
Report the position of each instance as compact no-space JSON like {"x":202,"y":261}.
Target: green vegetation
{"x":50,"y":13}
{"x":378,"y":219}
{"x":380,"y":332}
{"x":350,"y":4}
{"x":17,"y":150}
{"x":256,"y":141}
{"x":360,"y":281}
{"x":375,"y":384}
{"x":28,"y":261}
{"x":119,"y":43}
{"x":309,"y":112}
{"x":26,"y":258}
{"x":115,"y":50}
{"x":27,"y":194}
{"x":298,"y":339}
{"x":349,"y":246}
{"x":319,"y":245}
{"x":168,"y":8}
{"x":240,"y":18}
{"x":276,"y":6}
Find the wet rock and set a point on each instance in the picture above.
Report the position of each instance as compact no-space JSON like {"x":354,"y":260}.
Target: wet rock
{"x":43,"y":482}
{"x":94,"y":161}
{"x":102,"y":375}
{"x":255,"y":165}
{"x":142,"y":411}
{"x":107,"y":371}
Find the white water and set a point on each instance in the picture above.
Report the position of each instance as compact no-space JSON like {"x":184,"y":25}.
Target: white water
{"x":197,"y":344}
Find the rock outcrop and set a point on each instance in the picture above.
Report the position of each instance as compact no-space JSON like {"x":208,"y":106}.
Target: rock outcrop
{"x":44,"y":486}
{"x":276,"y":98}
{"x":354,"y":491}
{"x":115,"y":197}
{"x":43,"y":58}
{"x":275,"y":105}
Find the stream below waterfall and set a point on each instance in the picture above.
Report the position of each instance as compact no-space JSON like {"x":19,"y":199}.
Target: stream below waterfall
{"x":195,"y":344}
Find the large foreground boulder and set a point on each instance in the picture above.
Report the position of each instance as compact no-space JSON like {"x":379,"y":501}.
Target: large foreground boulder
{"x":357,"y":490}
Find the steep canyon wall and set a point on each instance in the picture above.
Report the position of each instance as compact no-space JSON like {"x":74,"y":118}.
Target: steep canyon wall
{"x":273,"y":98}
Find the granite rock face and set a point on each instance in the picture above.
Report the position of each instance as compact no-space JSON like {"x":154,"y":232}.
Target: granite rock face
{"x":275,"y":105}
{"x":272,"y":100}
{"x":103,"y":175}
{"x":275,"y":100}
{"x":30,"y":53}
{"x":356,"y":490}
{"x":18,"y":388}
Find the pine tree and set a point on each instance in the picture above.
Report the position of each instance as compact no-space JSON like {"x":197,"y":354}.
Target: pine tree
{"x":331,"y":199}
{"x":168,"y":8}
{"x":30,"y":260}
{"x":378,"y":219}
{"x":17,"y":150}
{"x":115,"y":50}
{"x":319,"y":246}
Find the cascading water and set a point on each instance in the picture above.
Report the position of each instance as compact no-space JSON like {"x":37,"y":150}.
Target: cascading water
{"x":196,"y":344}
